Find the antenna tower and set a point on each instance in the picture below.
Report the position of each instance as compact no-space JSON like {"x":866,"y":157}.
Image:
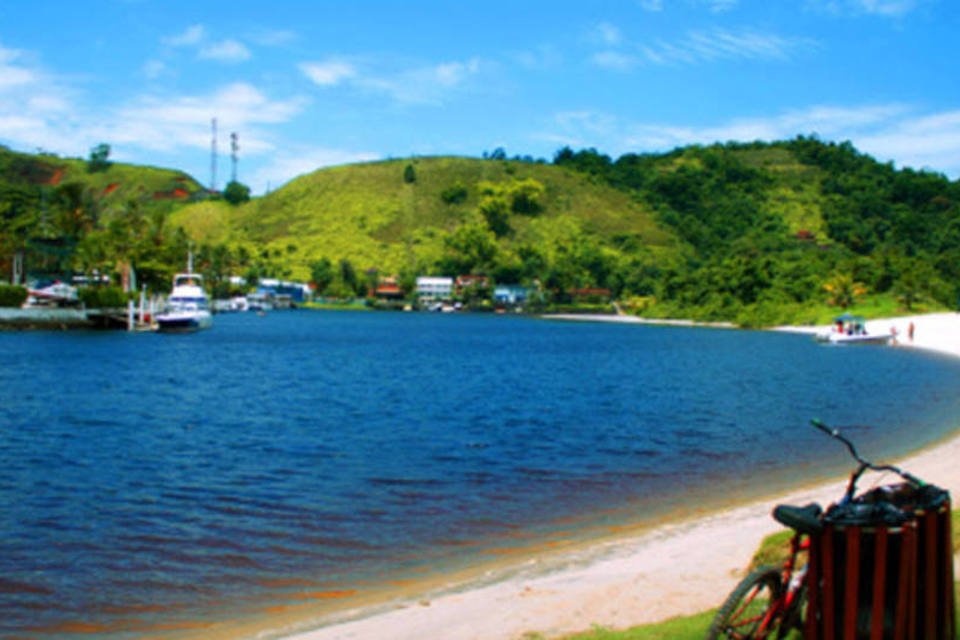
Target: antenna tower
{"x":234,"y":148}
{"x":213,"y":156}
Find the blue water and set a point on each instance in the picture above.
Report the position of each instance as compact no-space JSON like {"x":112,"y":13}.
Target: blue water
{"x":148,"y":480}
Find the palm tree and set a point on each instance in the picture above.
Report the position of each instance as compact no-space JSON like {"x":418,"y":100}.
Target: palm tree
{"x":843,"y":291}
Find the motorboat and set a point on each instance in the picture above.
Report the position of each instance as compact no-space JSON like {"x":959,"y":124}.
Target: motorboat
{"x":51,"y":293}
{"x":188,"y":308}
{"x":851,"y":329}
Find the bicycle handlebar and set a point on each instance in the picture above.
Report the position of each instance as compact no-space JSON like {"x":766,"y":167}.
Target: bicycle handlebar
{"x":863,"y":464}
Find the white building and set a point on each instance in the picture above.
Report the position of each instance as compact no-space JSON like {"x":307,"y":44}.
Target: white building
{"x":434,"y":288}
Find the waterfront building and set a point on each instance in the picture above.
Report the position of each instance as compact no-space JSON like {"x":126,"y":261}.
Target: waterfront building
{"x":434,"y":288}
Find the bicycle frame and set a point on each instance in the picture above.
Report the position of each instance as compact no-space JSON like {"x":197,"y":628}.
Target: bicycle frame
{"x":792,"y":579}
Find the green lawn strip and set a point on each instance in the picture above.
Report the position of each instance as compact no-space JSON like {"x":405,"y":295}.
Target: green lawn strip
{"x":772,"y":551}
{"x":682,"y":628}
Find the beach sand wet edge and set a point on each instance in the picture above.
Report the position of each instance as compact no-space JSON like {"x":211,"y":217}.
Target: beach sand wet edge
{"x":640,"y":577}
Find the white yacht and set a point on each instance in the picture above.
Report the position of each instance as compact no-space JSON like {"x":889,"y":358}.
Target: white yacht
{"x":188,"y":308}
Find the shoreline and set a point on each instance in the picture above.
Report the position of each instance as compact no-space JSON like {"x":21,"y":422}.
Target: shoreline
{"x":637,"y":576}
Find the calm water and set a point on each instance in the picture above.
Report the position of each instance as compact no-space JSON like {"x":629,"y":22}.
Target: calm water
{"x":152,"y":480}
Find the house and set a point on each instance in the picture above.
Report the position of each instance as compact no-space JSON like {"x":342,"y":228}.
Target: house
{"x":471,"y":281}
{"x":510,"y":295}
{"x":388,"y":289}
{"x":434,"y":288}
{"x":294,"y":292}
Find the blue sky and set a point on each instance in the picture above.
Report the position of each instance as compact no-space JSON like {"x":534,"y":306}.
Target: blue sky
{"x":315,"y":83}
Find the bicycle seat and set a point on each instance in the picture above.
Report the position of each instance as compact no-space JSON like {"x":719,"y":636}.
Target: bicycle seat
{"x":803,"y":519}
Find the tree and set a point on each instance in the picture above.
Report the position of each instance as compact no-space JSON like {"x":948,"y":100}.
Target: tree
{"x":321,"y":272}
{"x":409,"y":174}
{"x":455,"y":194}
{"x":914,"y":283}
{"x":526,"y":196}
{"x":471,"y":248}
{"x":98,"y":158}
{"x":236,"y":193}
{"x":843,"y":291}
{"x":496,"y":212}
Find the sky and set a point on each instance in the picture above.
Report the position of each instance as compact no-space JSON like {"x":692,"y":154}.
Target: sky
{"x":313,"y":83}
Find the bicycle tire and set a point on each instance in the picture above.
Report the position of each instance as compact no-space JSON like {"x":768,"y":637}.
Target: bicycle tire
{"x":739,"y":617}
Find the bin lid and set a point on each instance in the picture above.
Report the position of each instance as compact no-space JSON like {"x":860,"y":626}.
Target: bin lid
{"x":908,"y":497}
{"x":862,"y":514}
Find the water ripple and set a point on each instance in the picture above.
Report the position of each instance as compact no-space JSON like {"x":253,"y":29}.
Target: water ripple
{"x":163,"y":479}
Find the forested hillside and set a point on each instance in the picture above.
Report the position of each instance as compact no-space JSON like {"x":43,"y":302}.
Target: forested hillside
{"x":65,"y":216}
{"x":758,"y":233}
{"x":774,"y":230}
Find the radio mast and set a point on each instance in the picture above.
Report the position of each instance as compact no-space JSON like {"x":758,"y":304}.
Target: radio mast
{"x":234,"y":148}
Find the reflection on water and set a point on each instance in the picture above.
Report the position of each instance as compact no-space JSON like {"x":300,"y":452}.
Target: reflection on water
{"x":151,"y":483}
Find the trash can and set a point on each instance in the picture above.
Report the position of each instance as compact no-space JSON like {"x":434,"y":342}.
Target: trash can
{"x":883,"y":568}
{"x":861,"y":579}
{"x":929,"y":506}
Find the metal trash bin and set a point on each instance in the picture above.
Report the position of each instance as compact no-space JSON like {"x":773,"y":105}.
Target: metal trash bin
{"x":861,"y":581}
{"x":929,"y":506}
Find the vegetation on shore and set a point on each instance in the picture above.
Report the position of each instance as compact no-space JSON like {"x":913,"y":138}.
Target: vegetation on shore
{"x":773,"y":550}
{"x":758,"y":234}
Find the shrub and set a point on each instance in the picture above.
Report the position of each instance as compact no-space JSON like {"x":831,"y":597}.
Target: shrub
{"x":455,"y":194}
{"x":104,"y":297}
{"x":12,"y":295}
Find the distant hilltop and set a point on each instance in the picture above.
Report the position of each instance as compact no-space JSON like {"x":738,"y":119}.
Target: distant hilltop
{"x":757,"y":233}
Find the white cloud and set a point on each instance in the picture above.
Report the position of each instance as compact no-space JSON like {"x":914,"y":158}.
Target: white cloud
{"x":167,"y":123}
{"x":225,"y":51}
{"x":542,"y":57}
{"x":425,"y":85}
{"x":887,"y":7}
{"x":36,"y":108}
{"x":13,"y":74}
{"x":190,"y":36}
{"x":272,"y":37}
{"x":921,"y":141}
{"x":884,"y":8}
{"x":614,"y":60}
{"x":284,"y":166}
{"x":652,"y":5}
{"x":153,"y":69}
{"x":706,"y":46}
{"x":195,"y":37}
{"x":889,"y":132}
{"x":605,"y":34}
{"x":720,"y":6}
{"x":700,"y":47}
{"x":328,"y":73}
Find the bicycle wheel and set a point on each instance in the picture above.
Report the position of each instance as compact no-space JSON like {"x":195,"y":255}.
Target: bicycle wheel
{"x":746,"y":613}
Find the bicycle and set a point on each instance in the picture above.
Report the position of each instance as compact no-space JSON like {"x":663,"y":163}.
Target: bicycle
{"x":771,"y":601}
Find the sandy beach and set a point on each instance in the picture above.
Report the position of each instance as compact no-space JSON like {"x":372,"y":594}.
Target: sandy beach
{"x":681,"y":568}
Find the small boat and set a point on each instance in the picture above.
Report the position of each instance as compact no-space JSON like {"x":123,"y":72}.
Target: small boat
{"x":51,"y":293}
{"x":188,"y":308}
{"x":851,"y":329}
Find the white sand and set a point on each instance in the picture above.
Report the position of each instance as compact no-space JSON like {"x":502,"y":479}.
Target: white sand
{"x":676,"y":569}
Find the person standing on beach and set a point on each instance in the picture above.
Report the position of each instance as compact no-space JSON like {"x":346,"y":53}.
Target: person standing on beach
{"x":910,"y":330}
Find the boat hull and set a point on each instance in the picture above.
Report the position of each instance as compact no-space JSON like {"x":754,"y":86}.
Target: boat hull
{"x":835,"y":338}
{"x":183,"y":322}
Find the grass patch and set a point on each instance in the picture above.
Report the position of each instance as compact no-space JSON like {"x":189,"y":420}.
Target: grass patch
{"x":682,"y":628}
{"x":773,"y":550}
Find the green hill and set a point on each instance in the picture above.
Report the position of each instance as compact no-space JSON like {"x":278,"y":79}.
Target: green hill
{"x":374,"y":217}
{"x":758,"y":233}
{"x":63,"y":215}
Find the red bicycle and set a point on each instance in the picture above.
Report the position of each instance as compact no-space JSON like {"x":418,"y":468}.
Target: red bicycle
{"x":771,"y":601}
